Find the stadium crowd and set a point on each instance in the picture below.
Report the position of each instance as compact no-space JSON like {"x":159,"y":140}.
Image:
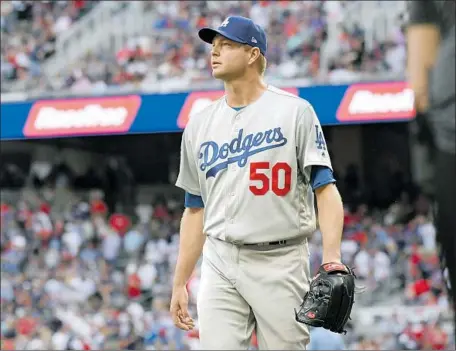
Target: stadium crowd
{"x":29,"y":30}
{"x":301,"y":44}
{"x":77,"y":275}
{"x":80,"y":273}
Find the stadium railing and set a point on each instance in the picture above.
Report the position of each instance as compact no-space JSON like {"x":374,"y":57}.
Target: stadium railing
{"x":185,"y":85}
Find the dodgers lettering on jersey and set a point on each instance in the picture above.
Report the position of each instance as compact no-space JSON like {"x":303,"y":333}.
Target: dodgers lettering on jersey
{"x":252,"y":167}
{"x":215,"y":157}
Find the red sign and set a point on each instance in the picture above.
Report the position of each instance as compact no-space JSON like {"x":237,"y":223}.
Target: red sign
{"x":377,"y":101}
{"x":49,"y":118}
{"x":197,"y":101}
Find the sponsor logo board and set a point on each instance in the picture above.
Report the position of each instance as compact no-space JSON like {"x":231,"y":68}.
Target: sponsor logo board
{"x":48,"y":118}
{"x":377,"y":102}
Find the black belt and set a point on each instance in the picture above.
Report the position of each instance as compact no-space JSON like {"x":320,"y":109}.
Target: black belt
{"x":292,"y":241}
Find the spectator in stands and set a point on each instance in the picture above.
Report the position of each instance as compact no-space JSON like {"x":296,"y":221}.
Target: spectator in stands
{"x":29,"y":31}
{"x":116,"y":268}
{"x":301,"y":45}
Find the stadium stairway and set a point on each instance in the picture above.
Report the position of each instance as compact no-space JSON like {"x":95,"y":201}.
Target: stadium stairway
{"x":94,"y":32}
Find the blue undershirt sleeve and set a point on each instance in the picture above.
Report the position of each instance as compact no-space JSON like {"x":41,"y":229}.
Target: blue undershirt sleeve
{"x":193,"y":201}
{"x":320,"y":176}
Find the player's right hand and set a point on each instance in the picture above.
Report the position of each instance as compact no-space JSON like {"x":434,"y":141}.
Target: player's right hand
{"x":179,"y":309}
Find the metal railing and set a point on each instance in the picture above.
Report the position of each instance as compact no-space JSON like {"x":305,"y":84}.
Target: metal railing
{"x":164,"y":87}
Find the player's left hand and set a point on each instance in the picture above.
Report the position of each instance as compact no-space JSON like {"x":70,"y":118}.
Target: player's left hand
{"x":329,"y":302}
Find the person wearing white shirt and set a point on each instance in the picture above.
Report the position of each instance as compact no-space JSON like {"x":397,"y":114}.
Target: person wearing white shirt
{"x":361,"y":263}
{"x":60,"y":340}
{"x":72,"y":240}
{"x":147,"y":274}
{"x":84,"y":286}
{"x":111,"y":246}
{"x":427,"y":233}
{"x":382,"y":265}
{"x":348,"y":249}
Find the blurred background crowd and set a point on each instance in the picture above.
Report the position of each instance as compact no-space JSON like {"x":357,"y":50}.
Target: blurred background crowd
{"x":86,"y":264}
{"x":307,"y":39}
{"x":81,"y":270}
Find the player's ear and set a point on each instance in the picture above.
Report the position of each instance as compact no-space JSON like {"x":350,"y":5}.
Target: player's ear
{"x":254,"y":55}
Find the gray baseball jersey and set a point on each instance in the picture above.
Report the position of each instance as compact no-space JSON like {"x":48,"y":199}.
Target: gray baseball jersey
{"x":252,"y":167}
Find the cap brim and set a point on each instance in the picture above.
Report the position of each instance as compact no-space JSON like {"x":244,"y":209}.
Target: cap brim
{"x":208,"y":34}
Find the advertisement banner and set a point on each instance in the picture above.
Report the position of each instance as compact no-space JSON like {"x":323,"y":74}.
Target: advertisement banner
{"x":159,"y":113}
{"x":52,"y":118}
{"x":376,"y":102}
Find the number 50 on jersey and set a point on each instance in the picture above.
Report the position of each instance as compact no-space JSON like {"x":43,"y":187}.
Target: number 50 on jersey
{"x":266,"y":177}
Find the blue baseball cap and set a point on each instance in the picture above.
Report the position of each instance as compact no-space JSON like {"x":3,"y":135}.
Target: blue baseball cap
{"x":239,"y":29}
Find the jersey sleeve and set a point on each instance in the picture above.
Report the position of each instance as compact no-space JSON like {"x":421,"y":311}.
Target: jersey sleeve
{"x":321,"y":176}
{"x":193,"y":201}
{"x":310,"y":143}
{"x":188,"y":169}
{"x":422,"y":12}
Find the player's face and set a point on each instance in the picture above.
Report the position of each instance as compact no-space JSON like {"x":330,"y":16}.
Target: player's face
{"x":229,"y":60}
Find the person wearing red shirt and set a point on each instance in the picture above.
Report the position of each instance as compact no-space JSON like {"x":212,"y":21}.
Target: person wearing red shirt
{"x":434,"y":338}
{"x":438,"y":338}
{"x":120,"y":223}
{"x":421,"y":287}
{"x":7,"y":345}
{"x":134,"y":286}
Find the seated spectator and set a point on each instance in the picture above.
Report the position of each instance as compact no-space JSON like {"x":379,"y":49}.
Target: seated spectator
{"x":29,"y":32}
{"x":306,"y":41}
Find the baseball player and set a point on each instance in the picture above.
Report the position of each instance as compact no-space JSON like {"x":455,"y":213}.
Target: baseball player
{"x":251,"y":163}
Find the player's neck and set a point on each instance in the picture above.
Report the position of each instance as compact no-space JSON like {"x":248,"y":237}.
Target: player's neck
{"x":244,"y":91}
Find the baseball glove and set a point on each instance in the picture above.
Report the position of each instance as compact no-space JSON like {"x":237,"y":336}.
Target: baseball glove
{"x":329,"y":302}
